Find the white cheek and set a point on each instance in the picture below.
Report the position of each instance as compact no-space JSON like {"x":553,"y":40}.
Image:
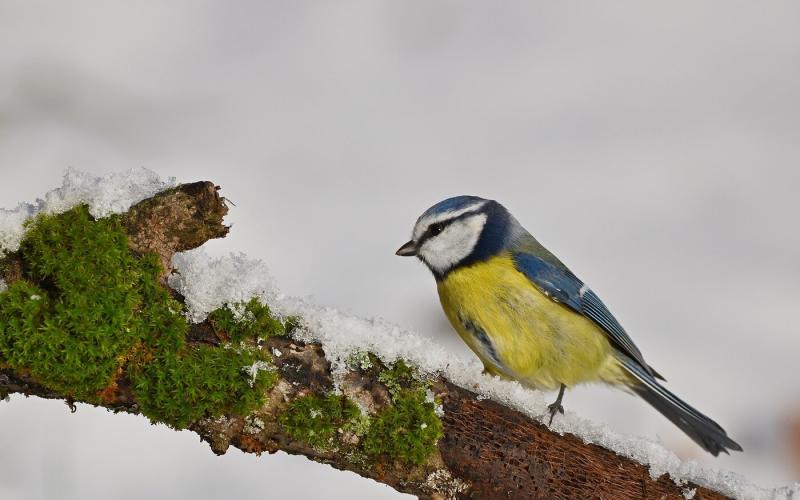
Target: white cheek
{"x":455,"y":243}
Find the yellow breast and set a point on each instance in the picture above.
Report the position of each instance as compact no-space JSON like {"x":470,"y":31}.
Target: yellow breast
{"x":520,"y":333}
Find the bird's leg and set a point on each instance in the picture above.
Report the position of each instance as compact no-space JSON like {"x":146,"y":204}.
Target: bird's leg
{"x":556,"y":406}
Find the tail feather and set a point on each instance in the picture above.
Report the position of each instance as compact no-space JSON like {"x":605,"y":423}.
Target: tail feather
{"x":703,"y":431}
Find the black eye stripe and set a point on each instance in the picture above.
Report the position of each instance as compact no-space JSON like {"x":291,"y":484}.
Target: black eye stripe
{"x":438,"y":227}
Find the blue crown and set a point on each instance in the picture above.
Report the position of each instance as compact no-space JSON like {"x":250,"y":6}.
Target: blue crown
{"x":451,"y":204}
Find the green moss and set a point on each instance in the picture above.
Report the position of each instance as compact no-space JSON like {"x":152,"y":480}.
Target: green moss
{"x":407,"y":431}
{"x":72,"y":330}
{"x":400,"y":376}
{"x":88,"y":310}
{"x":249,"y":320}
{"x":179,"y":388}
{"x":314,"y":419}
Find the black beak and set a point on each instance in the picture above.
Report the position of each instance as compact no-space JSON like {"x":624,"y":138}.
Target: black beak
{"x":407,"y":250}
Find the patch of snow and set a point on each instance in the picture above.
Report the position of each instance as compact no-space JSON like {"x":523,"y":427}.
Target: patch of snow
{"x":105,"y":195}
{"x":252,"y":370}
{"x":438,"y":409}
{"x":209,"y":283}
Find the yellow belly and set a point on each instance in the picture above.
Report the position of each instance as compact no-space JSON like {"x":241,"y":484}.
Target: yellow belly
{"x":532,"y":339}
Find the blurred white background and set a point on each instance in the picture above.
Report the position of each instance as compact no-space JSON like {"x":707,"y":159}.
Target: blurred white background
{"x":653,"y":146}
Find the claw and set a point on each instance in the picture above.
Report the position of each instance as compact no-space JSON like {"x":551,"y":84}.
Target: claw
{"x":553,"y":409}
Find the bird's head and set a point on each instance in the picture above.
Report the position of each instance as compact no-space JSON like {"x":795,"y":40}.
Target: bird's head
{"x":458,"y":231}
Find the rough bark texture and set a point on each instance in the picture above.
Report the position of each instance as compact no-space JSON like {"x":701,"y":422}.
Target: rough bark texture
{"x":488,"y":450}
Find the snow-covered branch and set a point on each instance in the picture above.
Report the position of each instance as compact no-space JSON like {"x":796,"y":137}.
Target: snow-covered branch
{"x":209,"y":344}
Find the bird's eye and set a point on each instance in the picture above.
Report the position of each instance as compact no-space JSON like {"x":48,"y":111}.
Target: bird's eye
{"x":436,"y":228}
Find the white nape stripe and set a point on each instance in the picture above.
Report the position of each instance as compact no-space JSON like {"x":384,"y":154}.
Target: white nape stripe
{"x":583,"y":290}
{"x":422,"y":225}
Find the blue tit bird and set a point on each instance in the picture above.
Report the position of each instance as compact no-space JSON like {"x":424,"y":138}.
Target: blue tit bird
{"x":529,"y":318}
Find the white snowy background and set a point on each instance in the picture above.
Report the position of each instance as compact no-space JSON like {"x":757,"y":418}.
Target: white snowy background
{"x":653,"y":147}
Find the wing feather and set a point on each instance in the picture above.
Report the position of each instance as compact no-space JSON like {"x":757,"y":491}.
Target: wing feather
{"x":561,"y":285}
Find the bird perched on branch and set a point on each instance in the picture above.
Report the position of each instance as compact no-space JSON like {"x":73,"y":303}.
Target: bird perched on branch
{"x":529,"y":318}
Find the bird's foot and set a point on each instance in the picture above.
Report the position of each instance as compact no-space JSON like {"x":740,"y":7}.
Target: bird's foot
{"x":556,"y":406}
{"x":553,"y":409}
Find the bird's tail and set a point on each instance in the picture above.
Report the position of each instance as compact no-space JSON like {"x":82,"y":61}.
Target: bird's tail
{"x":703,"y":431}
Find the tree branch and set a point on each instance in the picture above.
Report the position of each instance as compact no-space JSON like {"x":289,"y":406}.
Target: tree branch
{"x":486,"y":450}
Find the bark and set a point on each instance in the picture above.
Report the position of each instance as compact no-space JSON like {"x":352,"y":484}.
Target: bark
{"x":488,"y":450}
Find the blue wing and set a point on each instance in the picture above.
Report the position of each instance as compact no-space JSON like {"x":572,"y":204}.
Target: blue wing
{"x":558,"y":283}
